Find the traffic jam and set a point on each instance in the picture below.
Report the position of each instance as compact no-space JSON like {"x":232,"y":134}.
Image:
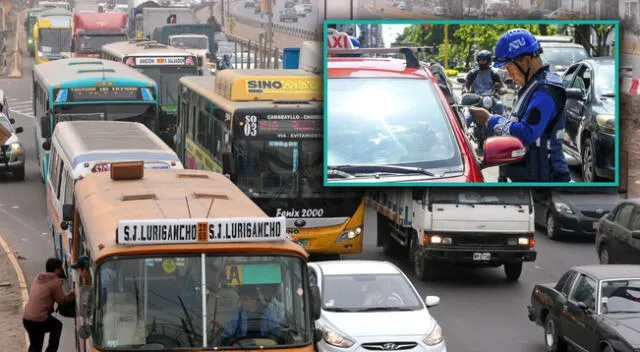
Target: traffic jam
{"x":192,"y":208}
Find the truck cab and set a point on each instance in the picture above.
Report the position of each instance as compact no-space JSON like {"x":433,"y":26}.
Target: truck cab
{"x":198,"y":44}
{"x":475,"y":227}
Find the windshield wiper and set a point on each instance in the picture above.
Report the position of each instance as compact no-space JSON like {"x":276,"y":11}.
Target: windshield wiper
{"x":341,"y":309}
{"x":624,"y":312}
{"x":381,"y":169}
{"x":385,"y":309}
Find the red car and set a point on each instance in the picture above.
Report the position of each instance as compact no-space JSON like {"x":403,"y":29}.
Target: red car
{"x":388,"y":120}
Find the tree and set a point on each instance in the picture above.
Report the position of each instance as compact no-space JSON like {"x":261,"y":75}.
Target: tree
{"x":582,"y":36}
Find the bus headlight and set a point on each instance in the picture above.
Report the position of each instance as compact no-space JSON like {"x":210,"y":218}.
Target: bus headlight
{"x":349,"y":234}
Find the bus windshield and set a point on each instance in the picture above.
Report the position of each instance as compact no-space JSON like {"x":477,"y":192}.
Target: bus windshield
{"x":190,"y":42}
{"x":156,"y":302}
{"x":54,"y":40}
{"x":94,"y":42}
{"x":167,"y":80}
{"x":143,"y":113}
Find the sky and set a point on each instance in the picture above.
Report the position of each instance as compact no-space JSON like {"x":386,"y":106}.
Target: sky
{"x":390,"y":32}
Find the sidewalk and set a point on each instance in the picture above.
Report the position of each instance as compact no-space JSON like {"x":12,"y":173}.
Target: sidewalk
{"x":13,"y":295}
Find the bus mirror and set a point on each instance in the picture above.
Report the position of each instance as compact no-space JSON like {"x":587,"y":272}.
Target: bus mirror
{"x":316,"y":302}
{"x":46,"y":145}
{"x":45,"y":127}
{"x":85,"y":301}
{"x":84,"y":332}
{"x":67,"y":212}
{"x":227,"y":163}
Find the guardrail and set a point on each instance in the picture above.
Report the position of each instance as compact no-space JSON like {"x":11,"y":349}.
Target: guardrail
{"x":250,"y":54}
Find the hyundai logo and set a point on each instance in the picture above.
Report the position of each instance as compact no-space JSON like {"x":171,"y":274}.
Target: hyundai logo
{"x":390,"y":346}
{"x":300,"y":223}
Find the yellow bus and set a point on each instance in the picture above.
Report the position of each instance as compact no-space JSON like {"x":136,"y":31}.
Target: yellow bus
{"x":264,"y":129}
{"x":52,"y":35}
{"x":174,"y":256}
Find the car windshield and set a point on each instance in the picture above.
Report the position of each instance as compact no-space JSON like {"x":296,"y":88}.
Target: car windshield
{"x":560,"y":58}
{"x":190,"y":42}
{"x":358,"y":293}
{"x":93,"y":43}
{"x":157,"y":301}
{"x":620,"y":296}
{"x":54,"y":40}
{"x":388,"y":121}
{"x":605,"y":79}
{"x":480,"y":196}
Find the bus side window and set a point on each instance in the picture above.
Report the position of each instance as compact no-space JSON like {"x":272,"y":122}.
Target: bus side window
{"x":61,"y":180}
{"x":51,"y":173}
{"x":68,"y":190}
{"x":79,"y":240}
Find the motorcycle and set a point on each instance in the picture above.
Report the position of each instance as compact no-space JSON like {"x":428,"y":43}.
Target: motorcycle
{"x":490,"y":101}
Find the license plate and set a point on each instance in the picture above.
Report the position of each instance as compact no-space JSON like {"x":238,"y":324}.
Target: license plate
{"x":596,"y":225}
{"x":303,"y":243}
{"x":481,"y":256}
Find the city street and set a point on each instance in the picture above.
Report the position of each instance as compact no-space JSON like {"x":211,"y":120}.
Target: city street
{"x":480,"y":310}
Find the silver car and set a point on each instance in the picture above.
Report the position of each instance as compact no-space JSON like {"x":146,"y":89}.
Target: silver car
{"x":11,"y":152}
{"x":371,"y":305}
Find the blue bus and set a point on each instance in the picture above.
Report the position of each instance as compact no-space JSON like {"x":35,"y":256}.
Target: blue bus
{"x":89,"y":89}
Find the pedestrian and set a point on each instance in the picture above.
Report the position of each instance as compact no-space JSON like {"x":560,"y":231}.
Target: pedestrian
{"x":46,"y":289}
{"x":538,"y":115}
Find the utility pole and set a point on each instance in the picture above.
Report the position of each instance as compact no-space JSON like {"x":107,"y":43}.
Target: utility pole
{"x":221,"y":12}
{"x":269,"y":24}
{"x":446,"y":46}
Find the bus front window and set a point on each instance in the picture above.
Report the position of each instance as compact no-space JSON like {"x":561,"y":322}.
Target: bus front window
{"x":54,"y":40}
{"x":167,"y":79}
{"x":267,"y":168}
{"x":157,"y":302}
{"x":143,"y":113}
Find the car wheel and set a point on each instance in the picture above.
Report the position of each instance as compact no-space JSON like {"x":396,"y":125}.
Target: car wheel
{"x":553,"y":342}
{"x":589,"y":162}
{"x":552,"y":229}
{"x":18,"y":174}
{"x":513,"y":271}
{"x":604,"y":255}
{"x":607,"y":349}
{"x":425,"y":270}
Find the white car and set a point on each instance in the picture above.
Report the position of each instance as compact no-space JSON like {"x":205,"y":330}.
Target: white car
{"x":371,"y":305}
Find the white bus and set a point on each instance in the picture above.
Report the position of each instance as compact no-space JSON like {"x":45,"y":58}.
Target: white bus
{"x":79,"y":148}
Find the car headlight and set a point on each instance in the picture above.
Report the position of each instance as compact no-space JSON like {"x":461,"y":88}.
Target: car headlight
{"x":519,"y":241}
{"x":16,"y":149}
{"x":335,"y":339}
{"x":349,"y":234}
{"x":563,"y":208}
{"x":607,"y":122}
{"x":434,"y":337}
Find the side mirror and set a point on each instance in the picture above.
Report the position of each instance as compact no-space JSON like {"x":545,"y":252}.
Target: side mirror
{"x":84,"y":332}
{"x":584,"y":307}
{"x":503,"y":150}
{"x":12,"y":120}
{"x":636,"y":234}
{"x":64,"y":225}
{"x":575,"y":93}
{"x":317,"y":335}
{"x":316,"y":304}
{"x":46,"y":145}
{"x":227,"y":163}
{"x":45,"y":126}
{"x":19,"y":130}
{"x":470,"y":99}
{"x":432,"y":301}
{"x":67,"y":212}
{"x":461,"y":80}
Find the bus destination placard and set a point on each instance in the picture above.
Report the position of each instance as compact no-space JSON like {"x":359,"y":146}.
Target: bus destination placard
{"x":280,"y":126}
{"x":185,"y":231}
{"x":104,"y":93}
{"x":153,"y":61}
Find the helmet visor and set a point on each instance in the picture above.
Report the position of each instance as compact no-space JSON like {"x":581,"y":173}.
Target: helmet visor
{"x":500,"y":62}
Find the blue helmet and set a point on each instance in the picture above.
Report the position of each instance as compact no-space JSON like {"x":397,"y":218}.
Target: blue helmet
{"x":354,"y":41}
{"x":514,"y":43}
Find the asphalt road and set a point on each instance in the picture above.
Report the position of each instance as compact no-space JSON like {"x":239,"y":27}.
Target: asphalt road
{"x":480,"y":311}
{"x":310,"y":21}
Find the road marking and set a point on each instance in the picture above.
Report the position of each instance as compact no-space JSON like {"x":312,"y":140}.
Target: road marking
{"x":24,"y":291}
{"x":22,"y":107}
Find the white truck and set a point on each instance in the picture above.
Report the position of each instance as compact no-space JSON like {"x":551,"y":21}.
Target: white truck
{"x":153,"y":17}
{"x":476,"y":227}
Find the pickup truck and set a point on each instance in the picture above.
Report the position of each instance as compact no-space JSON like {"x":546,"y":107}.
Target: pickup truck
{"x":593,"y":308}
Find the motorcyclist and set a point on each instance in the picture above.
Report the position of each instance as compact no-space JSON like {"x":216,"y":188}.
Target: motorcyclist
{"x":483,"y":80}
{"x":538,"y":115}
